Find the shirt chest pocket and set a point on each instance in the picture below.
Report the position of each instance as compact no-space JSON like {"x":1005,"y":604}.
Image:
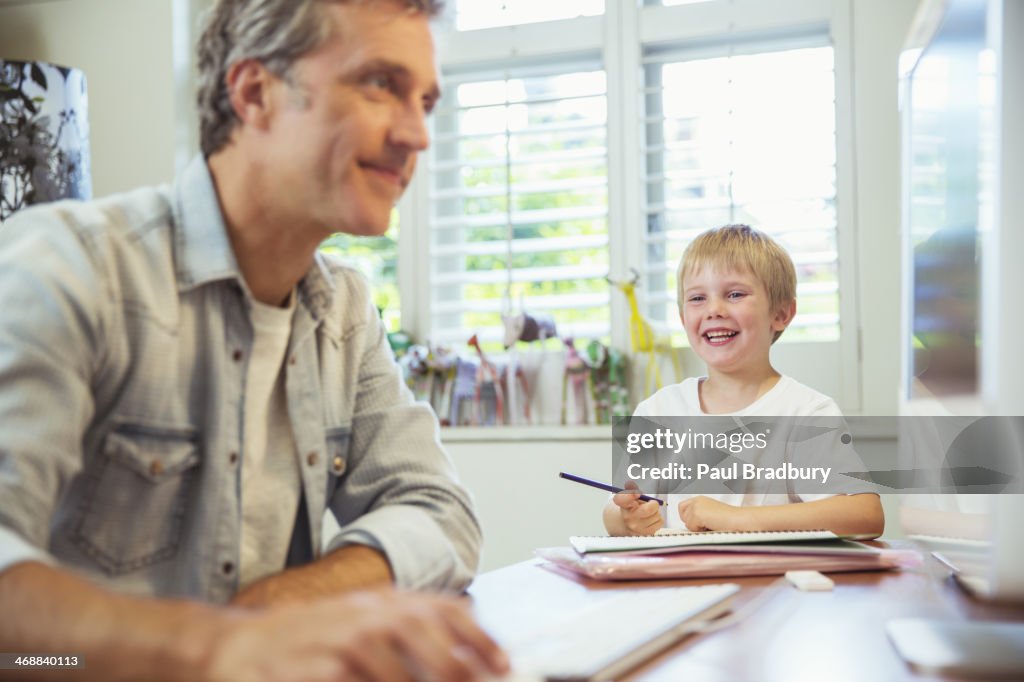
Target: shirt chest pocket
{"x":135,"y":503}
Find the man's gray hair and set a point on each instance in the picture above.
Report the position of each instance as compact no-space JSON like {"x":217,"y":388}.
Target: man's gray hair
{"x":273,"y":32}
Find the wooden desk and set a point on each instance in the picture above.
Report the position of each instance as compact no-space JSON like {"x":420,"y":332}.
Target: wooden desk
{"x":793,"y":636}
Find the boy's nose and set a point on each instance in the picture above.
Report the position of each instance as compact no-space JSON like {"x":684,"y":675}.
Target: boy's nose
{"x":714,"y":308}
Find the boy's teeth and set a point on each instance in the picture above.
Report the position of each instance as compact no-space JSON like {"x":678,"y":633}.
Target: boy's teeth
{"x":715,"y":335}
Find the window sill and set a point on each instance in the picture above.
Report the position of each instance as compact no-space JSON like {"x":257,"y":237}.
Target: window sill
{"x":483,"y":434}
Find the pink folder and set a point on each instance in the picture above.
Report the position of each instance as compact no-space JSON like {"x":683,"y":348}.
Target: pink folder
{"x":721,"y":564}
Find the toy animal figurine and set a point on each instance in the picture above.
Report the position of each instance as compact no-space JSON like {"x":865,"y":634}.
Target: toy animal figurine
{"x":576,"y":373}
{"x":517,"y":391}
{"x":416,"y":370}
{"x":596,"y":357}
{"x":618,"y":389}
{"x":488,"y":382}
{"x":441,"y":368}
{"x":461,"y":394}
{"x":642,"y":337}
{"x":526,"y":327}
{"x":607,"y":382}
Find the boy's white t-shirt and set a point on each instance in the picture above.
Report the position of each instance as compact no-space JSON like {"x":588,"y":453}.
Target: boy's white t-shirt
{"x":788,"y":398}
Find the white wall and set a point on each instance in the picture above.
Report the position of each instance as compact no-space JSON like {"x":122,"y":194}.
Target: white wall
{"x":521,"y":501}
{"x":124,"y":48}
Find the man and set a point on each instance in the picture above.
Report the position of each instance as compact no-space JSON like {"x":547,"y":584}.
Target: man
{"x":186,"y":386}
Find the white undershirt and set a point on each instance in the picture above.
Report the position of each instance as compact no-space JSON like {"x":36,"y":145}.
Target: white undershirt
{"x":270,"y":470}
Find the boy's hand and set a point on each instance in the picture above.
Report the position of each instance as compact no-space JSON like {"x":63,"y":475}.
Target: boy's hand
{"x":639,"y":517}
{"x":704,"y":513}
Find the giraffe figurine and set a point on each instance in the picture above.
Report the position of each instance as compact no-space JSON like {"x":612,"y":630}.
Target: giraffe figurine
{"x":642,"y":337}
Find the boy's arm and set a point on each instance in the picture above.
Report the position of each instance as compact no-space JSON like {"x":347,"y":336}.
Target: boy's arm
{"x":841,"y":514}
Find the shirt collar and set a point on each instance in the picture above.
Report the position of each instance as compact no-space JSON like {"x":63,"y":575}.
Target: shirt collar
{"x":203,"y":251}
{"x":317,"y":288}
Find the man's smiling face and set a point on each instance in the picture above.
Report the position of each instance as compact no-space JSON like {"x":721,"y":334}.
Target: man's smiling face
{"x":350,"y":119}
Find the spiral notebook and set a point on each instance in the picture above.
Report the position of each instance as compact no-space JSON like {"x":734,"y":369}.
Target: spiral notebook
{"x":665,"y":542}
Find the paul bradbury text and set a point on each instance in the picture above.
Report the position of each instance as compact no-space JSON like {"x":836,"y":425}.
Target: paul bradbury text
{"x":736,"y":471}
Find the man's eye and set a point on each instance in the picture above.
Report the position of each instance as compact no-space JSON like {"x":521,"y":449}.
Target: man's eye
{"x":379,"y":80}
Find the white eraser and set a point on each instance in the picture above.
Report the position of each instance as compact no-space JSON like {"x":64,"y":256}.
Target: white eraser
{"x":809,"y":581}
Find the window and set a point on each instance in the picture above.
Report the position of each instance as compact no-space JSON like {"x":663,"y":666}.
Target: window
{"x":519,"y":201}
{"x":744,"y":138}
{"x":377,"y":259}
{"x":477,"y":14}
{"x":566,"y":150}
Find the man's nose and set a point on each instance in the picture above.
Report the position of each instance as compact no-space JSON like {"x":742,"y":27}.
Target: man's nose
{"x":410,"y":128}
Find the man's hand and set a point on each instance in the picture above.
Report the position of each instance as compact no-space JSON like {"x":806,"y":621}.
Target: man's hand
{"x":638,"y":517}
{"x":370,"y":635}
{"x":378,"y":636}
{"x":703,"y":513}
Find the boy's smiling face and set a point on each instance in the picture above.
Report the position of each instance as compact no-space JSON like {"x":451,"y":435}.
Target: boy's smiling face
{"x":728,"y":318}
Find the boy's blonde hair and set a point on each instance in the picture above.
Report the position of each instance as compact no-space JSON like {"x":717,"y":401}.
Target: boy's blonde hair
{"x":741,"y":247}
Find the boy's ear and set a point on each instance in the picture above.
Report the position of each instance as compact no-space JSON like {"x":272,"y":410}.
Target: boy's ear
{"x":249,"y":91}
{"x":784,"y":315}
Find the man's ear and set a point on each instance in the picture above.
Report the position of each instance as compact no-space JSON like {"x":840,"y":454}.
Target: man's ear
{"x":249,"y":91}
{"x":784,"y":315}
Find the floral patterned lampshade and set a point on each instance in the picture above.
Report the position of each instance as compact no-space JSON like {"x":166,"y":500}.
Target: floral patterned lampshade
{"x":44,"y":135}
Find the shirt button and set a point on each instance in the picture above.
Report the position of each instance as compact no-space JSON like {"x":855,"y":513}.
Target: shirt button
{"x":227,"y":567}
{"x":312,"y":458}
{"x":236,"y":356}
{"x":339,"y":465}
{"x":233,"y":457}
{"x":156,"y":467}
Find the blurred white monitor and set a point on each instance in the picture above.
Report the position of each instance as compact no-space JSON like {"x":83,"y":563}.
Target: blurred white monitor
{"x":991,"y":569}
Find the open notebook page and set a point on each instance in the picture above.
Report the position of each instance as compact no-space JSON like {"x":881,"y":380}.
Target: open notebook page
{"x":585,"y":544}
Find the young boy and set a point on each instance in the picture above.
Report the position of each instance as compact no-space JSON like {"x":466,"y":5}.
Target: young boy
{"x":737,"y":294}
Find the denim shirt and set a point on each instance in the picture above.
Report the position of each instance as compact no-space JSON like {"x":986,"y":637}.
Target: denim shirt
{"x":124,"y":338}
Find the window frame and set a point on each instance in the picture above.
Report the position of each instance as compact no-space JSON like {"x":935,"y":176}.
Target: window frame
{"x":619,"y":37}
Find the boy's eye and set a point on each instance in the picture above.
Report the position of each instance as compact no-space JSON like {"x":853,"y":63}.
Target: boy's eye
{"x":735,"y":295}
{"x":696,"y":298}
